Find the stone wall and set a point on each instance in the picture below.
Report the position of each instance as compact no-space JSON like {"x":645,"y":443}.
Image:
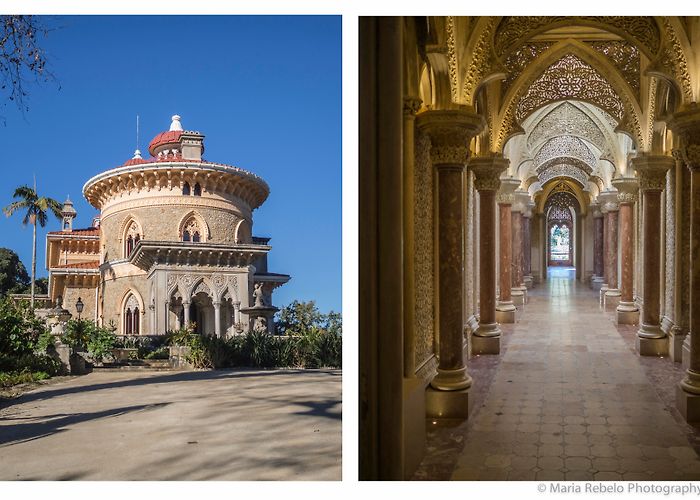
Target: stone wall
{"x":113,"y":294}
{"x":71,"y":294}
{"x":162,"y":223}
{"x":424,"y":254}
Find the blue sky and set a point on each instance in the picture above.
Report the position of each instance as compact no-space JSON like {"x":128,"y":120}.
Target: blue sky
{"x":265,"y":91}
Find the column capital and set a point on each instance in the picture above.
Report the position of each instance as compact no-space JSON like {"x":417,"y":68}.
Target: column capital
{"x":487,"y":171}
{"x":594,"y":208}
{"x":529,"y":208}
{"x":651,"y":170}
{"x":450,"y":132}
{"x":506,"y":191}
{"x":411,"y":106}
{"x":686,"y":125}
{"x":608,"y":201}
{"x":627,"y":188}
{"x":521,"y":200}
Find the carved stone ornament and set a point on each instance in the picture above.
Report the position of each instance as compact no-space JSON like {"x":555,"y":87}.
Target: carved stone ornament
{"x":411,"y":105}
{"x":608,"y":201}
{"x":595,"y":210}
{"x":487,"y":172}
{"x":506,"y":193}
{"x":450,"y":132}
{"x":626,"y":189}
{"x":686,"y":125}
{"x":651,"y":170}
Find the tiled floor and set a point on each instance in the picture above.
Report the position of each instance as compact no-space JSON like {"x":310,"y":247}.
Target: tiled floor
{"x":567,"y":398}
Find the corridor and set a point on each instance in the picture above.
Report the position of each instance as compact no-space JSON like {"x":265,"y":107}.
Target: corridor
{"x":568,"y":398}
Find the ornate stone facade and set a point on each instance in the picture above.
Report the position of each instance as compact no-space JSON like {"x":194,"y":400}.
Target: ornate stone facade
{"x":175,"y":235}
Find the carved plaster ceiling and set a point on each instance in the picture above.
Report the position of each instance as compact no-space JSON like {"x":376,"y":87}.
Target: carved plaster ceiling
{"x":566,"y":119}
{"x":569,"y":78}
{"x":563,"y":170}
{"x":565,"y":146}
{"x":512,"y":31}
{"x":562,"y":198}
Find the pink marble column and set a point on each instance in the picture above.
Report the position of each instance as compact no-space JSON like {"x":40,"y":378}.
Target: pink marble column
{"x":686,"y":126}
{"x":487,"y":171}
{"x":527,"y":248}
{"x":505,"y":309}
{"x":597,"y":279}
{"x":517,"y":276}
{"x":627,"y":311}
{"x":651,"y":170}
{"x":450,"y":133}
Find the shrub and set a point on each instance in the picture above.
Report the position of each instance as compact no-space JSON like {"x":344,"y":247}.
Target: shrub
{"x":100,"y":342}
{"x":19,"y":328}
{"x":10,"y":379}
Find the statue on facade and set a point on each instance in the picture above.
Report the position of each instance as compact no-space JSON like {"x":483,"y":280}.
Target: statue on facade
{"x":259,"y":296}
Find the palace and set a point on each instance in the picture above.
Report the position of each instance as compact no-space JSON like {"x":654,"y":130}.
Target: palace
{"x":529,"y":247}
{"x":172,"y":245}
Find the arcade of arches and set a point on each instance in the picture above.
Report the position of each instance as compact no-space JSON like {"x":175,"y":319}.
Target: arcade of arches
{"x":529,"y":247}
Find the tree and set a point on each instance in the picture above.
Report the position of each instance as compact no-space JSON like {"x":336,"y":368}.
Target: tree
{"x":21,"y":57}
{"x":13,"y":274}
{"x":299,"y":317}
{"x":37,"y":209}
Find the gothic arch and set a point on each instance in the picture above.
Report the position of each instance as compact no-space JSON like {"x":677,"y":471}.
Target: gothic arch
{"x":244,"y":232}
{"x":565,"y":185}
{"x":196,"y":217}
{"x":131,"y":303}
{"x":201,"y":285}
{"x":130,"y":228}
{"x":630,"y":109}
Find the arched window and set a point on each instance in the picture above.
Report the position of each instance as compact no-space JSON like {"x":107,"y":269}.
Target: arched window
{"x":186,"y":189}
{"x":192,"y":231}
{"x":197,"y":189}
{"x":131,"y":238}
{"x":132,"y":324}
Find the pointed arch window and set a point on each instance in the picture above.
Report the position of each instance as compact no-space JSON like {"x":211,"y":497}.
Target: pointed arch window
{"x":197,"y":190}
{"x":132,"y":320}
{"x":192,"y":231}
{"x":186,"y":189}
{"x":131,"y":238}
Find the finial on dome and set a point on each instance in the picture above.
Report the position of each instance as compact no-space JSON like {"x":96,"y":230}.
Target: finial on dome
{"x":137,"y":155}
{"x":176,"y":125}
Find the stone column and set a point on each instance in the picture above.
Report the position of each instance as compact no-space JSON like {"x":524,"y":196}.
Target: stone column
{"x":528,"y":279}
{"x":450,"y":132}
{"x":651,"y":170}
{"x":505,"y":309}
{"x":487,"y":171}
{"x":186,"y":308}
{"x":217,"y":318}
{"x":686,"y":126}
{"x":519,"y":290}
{"x":598,"y":279}
{"x":627,"y":311}
{"x":610,"y":291}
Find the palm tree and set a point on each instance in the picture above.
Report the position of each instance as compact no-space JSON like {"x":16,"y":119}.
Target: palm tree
{"x":37,"y":208}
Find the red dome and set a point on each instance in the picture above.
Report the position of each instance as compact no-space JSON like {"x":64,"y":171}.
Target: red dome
{"x":169,"y":137}
{"x":134,"y":161}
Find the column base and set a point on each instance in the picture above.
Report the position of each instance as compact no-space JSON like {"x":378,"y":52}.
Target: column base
{"x":518,"y":296}
{"x":505,"y":312}
{"x":651,"y":347}
{"x":472,"y":325}
{"x":596,"y":282}
{"x":447,"y":404}
{"x":688,"y":404}
{"x":451,"y":380}
{"x":601,"y":291}
{"x":486,"y":345}
{"x":685,"y":352}
{"x":627,"y":313}
{"x":611,"y":298}
{"x":676,"y":339}
{"x":529,"y":281}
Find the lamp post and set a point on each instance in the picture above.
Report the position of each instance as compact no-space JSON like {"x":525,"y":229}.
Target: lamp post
{"x":79,"y":307}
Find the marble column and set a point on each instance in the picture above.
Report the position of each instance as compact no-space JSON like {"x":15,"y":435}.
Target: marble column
{"x":450,"y":132}
{"x":519,"y":290}
{"x":217,"y":318}
{"x":186,"y":308}
{"x":528,"y":279}
{"x":686,"y":126}
{"x":487,"y":171}
{"x":651,"y":171}
{"x":598,"y":275}
{"x":505,"y":309}
{"x":610,"y":291}
{"x":627,"y":311}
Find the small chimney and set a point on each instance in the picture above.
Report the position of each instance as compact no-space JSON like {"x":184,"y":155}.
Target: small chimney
{"x":191,"y":145}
